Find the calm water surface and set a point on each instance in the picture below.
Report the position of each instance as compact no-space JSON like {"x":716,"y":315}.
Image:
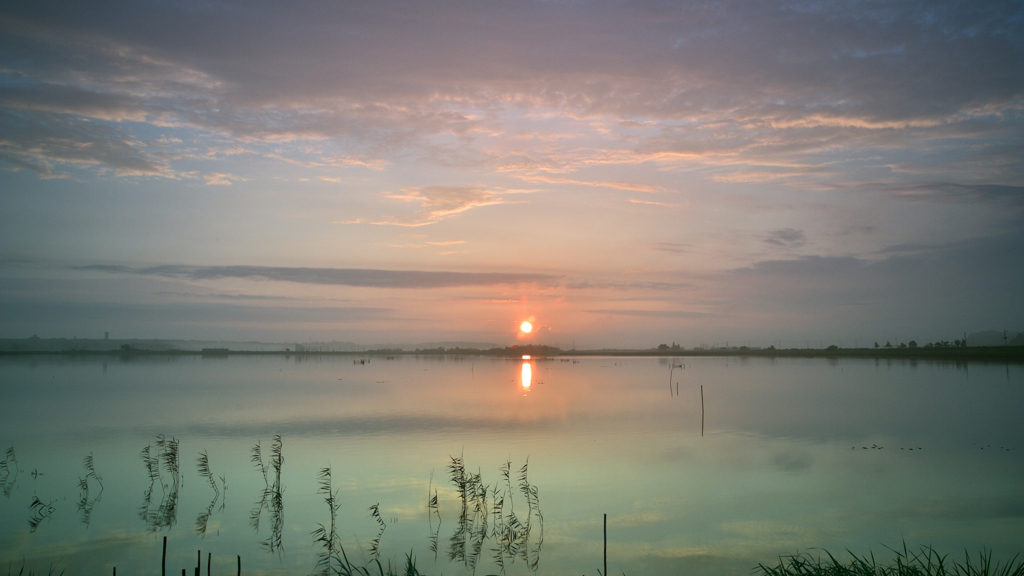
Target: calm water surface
{"x":105,"y":457}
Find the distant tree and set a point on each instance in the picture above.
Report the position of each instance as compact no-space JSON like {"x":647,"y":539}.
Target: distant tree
{"x":876,"y":344}
{"x":772,"y":347}
{"x":663,"y":347}
{"x":903,"y":345}
{"x":956,"y":343}
{"x":832,"y":347}
{"x":912,"y":343}
{"x":888,"y":344}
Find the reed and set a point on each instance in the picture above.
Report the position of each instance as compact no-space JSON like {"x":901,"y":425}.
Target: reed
{"x":52,"y":571}
{"x":925,"y":562}
{"x":375,"y":543}
{"x":332,"y":559}
{"x":482,"y":517}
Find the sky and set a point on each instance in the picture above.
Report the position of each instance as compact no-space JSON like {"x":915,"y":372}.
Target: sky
{"x":624,"y":173}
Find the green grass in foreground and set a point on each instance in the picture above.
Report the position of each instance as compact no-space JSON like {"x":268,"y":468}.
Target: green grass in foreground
{"x":927,"y":562}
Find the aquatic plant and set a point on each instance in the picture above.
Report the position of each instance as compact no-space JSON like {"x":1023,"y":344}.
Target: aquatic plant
{"x":433,"y":513}
{"x":331,"y":558}
{"x":511,"y":533}
{"x":272,"y":499}
{"x":203,"y":519}
{"x":165,"y":514}
{"x":86,"y":502}
{"x":926,"y":562}
{"x":7,"y":477}
{"x":375,"y":543}
{"x":51,"y":572}
{"x":39,"y":511}
{"x":332,"y":555}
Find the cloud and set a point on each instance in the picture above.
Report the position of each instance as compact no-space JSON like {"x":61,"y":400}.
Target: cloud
{"x":677,"y":247}
{"x":648,"y":313}
{"x":219,"y":179}
{"x":746,"y":91}
{"x":401,"y":279}
{"x":627,"y":186}
{"x":910,"y":284}
{"x":663,"y":204}
{"x":1004,"y":194}
{"x":634,"y":285}
{"x":788,"y":238}
{"x":44,"y":142}
{"x":56,"y":316}
{"x":439,"y":202}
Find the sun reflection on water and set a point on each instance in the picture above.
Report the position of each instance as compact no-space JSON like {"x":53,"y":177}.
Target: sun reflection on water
{"x":527,"y":374}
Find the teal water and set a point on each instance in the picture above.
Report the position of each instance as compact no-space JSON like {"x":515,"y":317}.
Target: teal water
{"x":794,"y":454}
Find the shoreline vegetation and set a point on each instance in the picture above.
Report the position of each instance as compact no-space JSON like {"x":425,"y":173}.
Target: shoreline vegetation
{"x":928,"y":352}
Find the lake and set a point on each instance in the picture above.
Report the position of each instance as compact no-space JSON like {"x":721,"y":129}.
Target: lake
{"x":481,"y":465}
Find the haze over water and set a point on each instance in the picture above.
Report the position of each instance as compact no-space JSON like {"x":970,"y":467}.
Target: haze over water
{"x":795,"y":454}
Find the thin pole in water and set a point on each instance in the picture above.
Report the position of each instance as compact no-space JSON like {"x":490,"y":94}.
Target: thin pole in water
{"x":239,"y":566}
{"x":209,"y":556}
{"x":163,"y":561}
{"x":702,"y":410}
{"x":605,"y":545}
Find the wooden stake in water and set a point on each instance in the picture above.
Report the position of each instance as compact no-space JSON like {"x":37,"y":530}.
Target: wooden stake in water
{"x":163,"y":561}
{"x":605,"y":545}
{"x":239,"y":566}
{"x":702,"y":410}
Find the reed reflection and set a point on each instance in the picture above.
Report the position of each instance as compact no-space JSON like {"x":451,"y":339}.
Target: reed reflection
{"x":88,"y":498}
{"x":8,"y":472}
{"x":165,"y":514}
{"x":38,"y":512}
{"x":203,"y":519}
{"x":433,"y":513}
{"x":273,"y":498}
{"x":514,"y":536}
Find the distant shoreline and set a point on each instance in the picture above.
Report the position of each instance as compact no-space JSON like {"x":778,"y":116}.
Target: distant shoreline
{"x":977,"y":353}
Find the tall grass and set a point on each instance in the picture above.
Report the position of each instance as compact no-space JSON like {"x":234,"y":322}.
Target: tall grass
{"x":925,"y":562}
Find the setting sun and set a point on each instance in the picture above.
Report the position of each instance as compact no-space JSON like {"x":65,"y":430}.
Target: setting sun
{"x":526,"y":327}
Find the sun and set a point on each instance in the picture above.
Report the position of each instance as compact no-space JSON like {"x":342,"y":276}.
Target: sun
{"x":526,"y":327}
